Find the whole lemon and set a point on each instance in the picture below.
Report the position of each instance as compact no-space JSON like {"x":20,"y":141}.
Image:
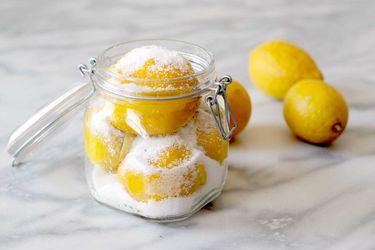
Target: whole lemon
{"x":240,"y":103}
{"x":315,"y":111}
{"x":165,"y":177}
{"x":275,"y":66}
{"x":161,"y":78}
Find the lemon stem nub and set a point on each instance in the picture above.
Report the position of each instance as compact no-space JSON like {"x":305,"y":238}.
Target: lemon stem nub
{"x":337,"y":127}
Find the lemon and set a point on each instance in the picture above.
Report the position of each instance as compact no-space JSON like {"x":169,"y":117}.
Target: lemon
{"x":105,"y":145}
{"x":209,"y":137}
{"x":171,"y":157}
{"x":240,"y":104}
{"x":171,"y":180}
{"x":315,"y":111}
{"x":146,"y":117}
{"x":276,"y":65}
{"x":150,"y":71}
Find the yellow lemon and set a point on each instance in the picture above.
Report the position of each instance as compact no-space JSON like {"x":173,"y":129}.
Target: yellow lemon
{"x":153,"y":117}
{"x":275,"y":66}
{"x":209,"y":137}
{"x":105,"y":145}
{"x":157,"y":77}
{"x":240,"y":104}
{"x":172,"y":157}
{"x":172,"y":179}
{"x":315,"y":111}
{"x":157,"y":117}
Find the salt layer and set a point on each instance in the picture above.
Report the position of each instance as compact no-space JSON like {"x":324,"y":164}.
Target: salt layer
{"x":108,"y":190}
{"x":163,"y":57}
{"x":147,"y":149}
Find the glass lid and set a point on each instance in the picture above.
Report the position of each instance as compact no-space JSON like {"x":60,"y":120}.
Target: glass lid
{"x":24,"y":139}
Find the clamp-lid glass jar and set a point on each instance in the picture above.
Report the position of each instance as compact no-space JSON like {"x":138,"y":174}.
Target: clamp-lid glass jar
{"x":156,"y":128}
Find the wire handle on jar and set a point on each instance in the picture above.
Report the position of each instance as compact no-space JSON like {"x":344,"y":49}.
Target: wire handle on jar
{"x":212,"y":101}
{"x":88,"y":71}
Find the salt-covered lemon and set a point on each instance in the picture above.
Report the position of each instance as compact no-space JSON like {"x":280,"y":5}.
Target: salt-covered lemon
{"x":240,"y":104}
{"x":158,"y":72}
{"x":166,"y":176}
{"x":275,"y":66}
{"x":105,"y":145}
{"x":209,"y":137}
{"x":171,"y":156}
{"x":315,"y":111}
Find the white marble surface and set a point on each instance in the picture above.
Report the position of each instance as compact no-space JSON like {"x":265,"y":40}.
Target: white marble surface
{"x":280,"y":194}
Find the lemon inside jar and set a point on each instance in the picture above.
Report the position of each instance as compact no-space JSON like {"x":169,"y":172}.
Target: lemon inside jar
{"x":156,"y":72}
{"x":209,"y":137}
{"x":169,"y":177}
{"x":105,"y":145}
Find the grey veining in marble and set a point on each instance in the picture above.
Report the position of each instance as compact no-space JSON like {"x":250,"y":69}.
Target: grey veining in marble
{"x":281,"y":193}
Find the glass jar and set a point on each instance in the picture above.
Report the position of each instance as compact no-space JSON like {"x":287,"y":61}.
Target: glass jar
{"x":152,"y":149}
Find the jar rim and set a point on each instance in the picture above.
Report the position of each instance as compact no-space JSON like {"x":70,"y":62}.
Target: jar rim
{"x":102,"y":73}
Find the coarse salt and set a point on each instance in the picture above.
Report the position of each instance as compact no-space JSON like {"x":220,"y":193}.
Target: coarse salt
{"x":164,"y":59}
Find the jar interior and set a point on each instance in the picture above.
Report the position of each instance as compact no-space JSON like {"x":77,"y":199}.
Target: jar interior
{"x":158,"y":158}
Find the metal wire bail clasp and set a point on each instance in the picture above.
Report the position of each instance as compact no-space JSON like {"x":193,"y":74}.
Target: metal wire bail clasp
{"x":87,"y":71}
{"x":227,"y":125}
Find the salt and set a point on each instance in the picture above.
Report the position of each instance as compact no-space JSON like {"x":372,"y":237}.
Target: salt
{"x":110,"y":191}
{"x":164,"y":59}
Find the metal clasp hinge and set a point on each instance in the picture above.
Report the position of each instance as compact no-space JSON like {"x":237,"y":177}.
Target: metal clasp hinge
{"x":87,"y":71}
{"x":227,"y":125}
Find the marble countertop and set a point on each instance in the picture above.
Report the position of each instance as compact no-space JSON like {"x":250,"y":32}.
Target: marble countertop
{"x":281,"y":193}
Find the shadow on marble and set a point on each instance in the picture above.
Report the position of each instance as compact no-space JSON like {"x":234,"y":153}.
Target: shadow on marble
{"x":264,"y":137}
{"x":353,"y":142}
